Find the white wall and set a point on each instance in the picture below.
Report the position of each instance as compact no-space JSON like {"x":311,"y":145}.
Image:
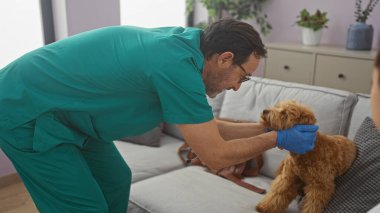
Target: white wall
{"x":21,"y":32}
{"x":21,"y":28}
{"x":60,"y":19}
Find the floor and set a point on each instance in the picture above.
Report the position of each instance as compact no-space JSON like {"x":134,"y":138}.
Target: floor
{"x":15,"y":199}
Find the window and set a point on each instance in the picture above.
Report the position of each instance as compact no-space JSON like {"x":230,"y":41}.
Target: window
{"x":153,"y":13}
{"x":21,"y":29}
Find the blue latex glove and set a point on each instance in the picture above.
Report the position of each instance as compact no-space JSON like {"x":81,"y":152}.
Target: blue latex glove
{"x":298,"y":139}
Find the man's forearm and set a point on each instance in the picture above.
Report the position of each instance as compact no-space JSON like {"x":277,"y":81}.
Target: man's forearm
{"x":240,"y":150}
{"x":230,"y":130}
{"x":217,"y":153}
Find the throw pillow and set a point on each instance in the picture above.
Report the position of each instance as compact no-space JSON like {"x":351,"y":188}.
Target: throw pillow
{"x":358,"y":189}
{"x":150,"y":138}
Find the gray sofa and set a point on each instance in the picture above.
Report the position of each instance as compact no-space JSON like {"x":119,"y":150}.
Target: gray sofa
{"x":161,"y":184}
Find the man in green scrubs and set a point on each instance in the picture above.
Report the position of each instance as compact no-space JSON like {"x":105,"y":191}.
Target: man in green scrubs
{"x":62,"y":105}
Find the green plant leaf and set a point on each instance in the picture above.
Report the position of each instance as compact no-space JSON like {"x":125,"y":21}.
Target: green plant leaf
{"x":362,"y":15}
{"x":315,"y":21}
{"x":238,"y":9}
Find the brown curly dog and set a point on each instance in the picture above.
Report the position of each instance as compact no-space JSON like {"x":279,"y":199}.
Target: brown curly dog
{"x":311,"y":174}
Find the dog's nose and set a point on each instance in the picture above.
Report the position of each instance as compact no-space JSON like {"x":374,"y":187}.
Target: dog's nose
{"x":265,"y":112}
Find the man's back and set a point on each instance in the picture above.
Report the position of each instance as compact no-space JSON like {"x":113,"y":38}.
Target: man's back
{"x":106,"y":73}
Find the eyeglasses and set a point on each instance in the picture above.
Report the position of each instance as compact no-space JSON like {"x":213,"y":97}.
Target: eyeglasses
{"x":246,"y":76}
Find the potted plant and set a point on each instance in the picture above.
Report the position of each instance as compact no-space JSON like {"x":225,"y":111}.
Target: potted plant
{"x":312,"y":25}
{"x":237,"y":9}
{"x":360,"y":34}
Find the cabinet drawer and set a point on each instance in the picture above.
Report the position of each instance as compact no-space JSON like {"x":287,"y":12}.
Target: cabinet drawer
{"x":290,"y":66}
{"x":344,"y":73}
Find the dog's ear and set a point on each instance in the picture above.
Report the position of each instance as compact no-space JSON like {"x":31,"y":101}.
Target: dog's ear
{"x":308,"y":117}
{"x":280,"y":168}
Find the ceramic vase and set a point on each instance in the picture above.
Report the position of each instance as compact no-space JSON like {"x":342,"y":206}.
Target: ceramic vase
{"x":359,"y":36}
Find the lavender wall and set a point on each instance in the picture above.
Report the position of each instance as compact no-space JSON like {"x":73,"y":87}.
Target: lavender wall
{"x":86,"y":15}
{"x":6,"y":166}
{"x":282,"y":15}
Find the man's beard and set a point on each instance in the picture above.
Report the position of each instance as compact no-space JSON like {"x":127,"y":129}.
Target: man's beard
{"x":212,"y":89}
{"x":213,"y":84}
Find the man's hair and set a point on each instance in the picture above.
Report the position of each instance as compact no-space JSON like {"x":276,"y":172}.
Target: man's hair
{"x":234,"y":36}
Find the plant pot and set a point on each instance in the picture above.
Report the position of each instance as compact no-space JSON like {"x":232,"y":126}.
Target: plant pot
{"x":311,"y":37}
{"x":359,"y":36}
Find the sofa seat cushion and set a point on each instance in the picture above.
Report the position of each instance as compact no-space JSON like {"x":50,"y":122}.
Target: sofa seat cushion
{"x":192,"y":189}
{"x":147,"y":161}
{"x":150,"y":138}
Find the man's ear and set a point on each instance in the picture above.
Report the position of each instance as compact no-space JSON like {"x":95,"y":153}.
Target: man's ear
{"x":225,"y":59}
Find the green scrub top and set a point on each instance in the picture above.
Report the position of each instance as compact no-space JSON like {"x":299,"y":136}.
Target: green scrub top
{"x":106,"y":83}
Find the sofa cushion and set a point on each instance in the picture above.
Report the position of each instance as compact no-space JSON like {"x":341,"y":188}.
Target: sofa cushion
{"x":215,"y":103}
{"x":150,"y":138}
{"x":375,"y":209}
{"x":192,"y":189}
{"x":358,"y":189}
{"x":332,"y":108}
{"x":361,"y":111}
{"x":172,"y":130}
{"x":147,"y":161}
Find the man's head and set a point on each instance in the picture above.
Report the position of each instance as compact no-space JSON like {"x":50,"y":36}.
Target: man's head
{"x":232,"y":50}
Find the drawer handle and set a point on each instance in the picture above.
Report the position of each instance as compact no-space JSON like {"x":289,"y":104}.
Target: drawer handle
{"x":341,"y":76}
{"x":286,"y":67}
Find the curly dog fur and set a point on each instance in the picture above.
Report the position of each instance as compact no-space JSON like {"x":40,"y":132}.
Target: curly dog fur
{"x":311,"y":174}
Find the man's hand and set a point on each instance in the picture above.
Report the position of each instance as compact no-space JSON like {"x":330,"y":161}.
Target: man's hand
{"x":298,"y":139}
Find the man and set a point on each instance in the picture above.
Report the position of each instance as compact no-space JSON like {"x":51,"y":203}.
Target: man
{"x":62,"y":106}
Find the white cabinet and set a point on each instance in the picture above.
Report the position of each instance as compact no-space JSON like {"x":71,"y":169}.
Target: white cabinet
{"x":326,"y":66}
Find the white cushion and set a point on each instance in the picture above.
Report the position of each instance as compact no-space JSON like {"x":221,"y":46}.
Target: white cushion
{"x":147,"y":161}
{"x":332,"y":108}
{"x":361,"y":111}
{"x":375,"y":209}
{"x":192,"y":189}
{"x":216,"y":105}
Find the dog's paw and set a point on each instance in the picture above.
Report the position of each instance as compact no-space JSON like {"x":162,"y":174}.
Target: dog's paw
{"x":261,"y":207}
{"x":267,"y":207}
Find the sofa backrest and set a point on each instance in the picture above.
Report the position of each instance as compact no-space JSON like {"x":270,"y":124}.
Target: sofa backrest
{"x":216,"y":105}
{"x":361,"y":111}
{"x":332,"y":108}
